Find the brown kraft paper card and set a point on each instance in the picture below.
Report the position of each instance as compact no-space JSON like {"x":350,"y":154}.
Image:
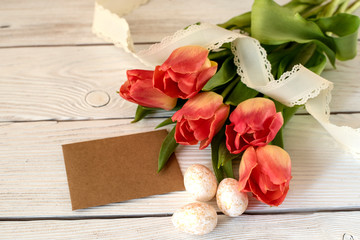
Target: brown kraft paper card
{"x":118,"y":169}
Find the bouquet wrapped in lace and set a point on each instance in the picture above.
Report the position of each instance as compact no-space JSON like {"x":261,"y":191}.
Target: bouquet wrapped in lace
{"x":236,"y":85}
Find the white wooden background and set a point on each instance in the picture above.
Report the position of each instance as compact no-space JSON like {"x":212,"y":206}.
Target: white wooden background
{"x":49,"y":63}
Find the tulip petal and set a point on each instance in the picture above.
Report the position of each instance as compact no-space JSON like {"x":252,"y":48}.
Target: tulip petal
{"x":203,"y":115}
{"x":230,"y":138}
{"x":205,"y":75}
{"x":201,"y":128}
{"x":164,"y":83}
{"x":187,"y":59}
{"x":247,"y":164}
{"x":135,"y":74}
{"x":235,"y":143}
{"x":216,"y":124}
{"x":275,"y":126}
{"x":125,"y":90}
{"x":184,"y":135}
{"x":272,"y":198}
{"x":203,"y":105}
{"x":253,"y":112}
{"x":151,"y":97}
{"x":187,"y":84}
{"x":139,"y":89}
{"x":263,"y":181}
{"x":275,"y":163}
{"x":280,"y":200}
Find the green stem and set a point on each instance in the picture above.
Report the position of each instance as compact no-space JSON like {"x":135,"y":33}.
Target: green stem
{"x":304,"y":55}
{"x":278,"y":140}
{"x":229,"y":87}
{"x":228,"y":169}
{"x":353,"y":7}
{"x":314,"y":11}
{"x":342,"y":8}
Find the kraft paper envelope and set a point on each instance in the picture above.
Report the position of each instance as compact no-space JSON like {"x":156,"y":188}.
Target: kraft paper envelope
{"x":118,"y":169}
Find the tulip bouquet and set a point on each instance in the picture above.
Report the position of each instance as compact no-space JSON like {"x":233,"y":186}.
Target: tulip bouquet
{"x":210,"y":105}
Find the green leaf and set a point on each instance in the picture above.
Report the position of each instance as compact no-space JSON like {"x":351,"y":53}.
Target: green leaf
{"x":229,"y":87}
{"x":289,"y":112}
{"x":215,"y":143}
{"x":279,"y":106}
{"x":238,"y":22}
{"x":278,"y":53}
{"x":220,"y":54}
{"x":225,"y":155}
{"x":283,"y":65}
{"x":297,"y":6}
{"x":316,"y":63}
{"x":167,"y":148}
{"x":228,"y":169}
{"x":141,"y":112}
{"x":278,"y":140}
{"x":303,"y":56}
{"x":222,"y":76}
{"x":273,"y":24}
{"x":345,"y":27}
{"x":313,"y":2}
{"x":166,"y":122}
{"x":240,"y":93}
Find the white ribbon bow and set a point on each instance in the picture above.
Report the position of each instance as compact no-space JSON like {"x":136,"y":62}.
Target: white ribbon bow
{"x":296,"y":87}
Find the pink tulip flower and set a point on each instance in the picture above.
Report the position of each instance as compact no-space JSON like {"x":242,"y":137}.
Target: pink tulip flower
{"x":200,"y":119}
{"x":266,"y":172}
{"x":139,"y":89}
{"x":254,"y":122}
{"x":185,"y":72}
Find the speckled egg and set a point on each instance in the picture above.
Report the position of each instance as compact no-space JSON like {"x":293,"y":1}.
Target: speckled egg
{"x":229,"y":199}
{"x":195,"y":218}
{"x":200,"y":182}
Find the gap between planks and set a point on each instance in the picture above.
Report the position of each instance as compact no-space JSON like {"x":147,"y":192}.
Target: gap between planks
{"x":146,"y":118}
{"x":78,"y":45}
{"x":161,"y":215}
{"x":75,"y":45}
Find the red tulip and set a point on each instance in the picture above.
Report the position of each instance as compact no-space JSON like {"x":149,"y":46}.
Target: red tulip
{"x":139,"y":89}
{"x":254,"y":122}
{"x":185,"y":72}
{"x":266,"y":172}
{"x":200,"y":119}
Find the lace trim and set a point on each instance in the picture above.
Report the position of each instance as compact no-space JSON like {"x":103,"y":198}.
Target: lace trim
{"x":183,"y":33}
{"x":127,"y":44}
{"x":124,"y":41}
{"x":312,"y":93}
{"x":273,"y":83}
{"x":347,"y":132}
{"x":240,"y":69}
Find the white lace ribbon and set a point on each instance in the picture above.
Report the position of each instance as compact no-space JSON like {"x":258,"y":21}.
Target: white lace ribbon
{"x":296,"y":87}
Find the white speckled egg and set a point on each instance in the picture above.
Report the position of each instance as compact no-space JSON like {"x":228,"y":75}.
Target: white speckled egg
{"x":229,"y":199}
{"x":195,"y":218}
{"x":200,"y":182}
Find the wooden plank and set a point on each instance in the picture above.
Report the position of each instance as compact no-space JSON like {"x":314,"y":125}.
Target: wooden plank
{"x":46,"y":23}
{"x":332,"y":225}
{"x":52,"y":83}
{"x":69,"y":22}
{"x":33,"y":179}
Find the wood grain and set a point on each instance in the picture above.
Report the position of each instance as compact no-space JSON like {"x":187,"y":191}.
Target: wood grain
{"x":33,"y":179}
{"x":69,"y":22}
{"x":50,"y":61}
{"x":326,"y":226}
{"x":52,"y":83}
